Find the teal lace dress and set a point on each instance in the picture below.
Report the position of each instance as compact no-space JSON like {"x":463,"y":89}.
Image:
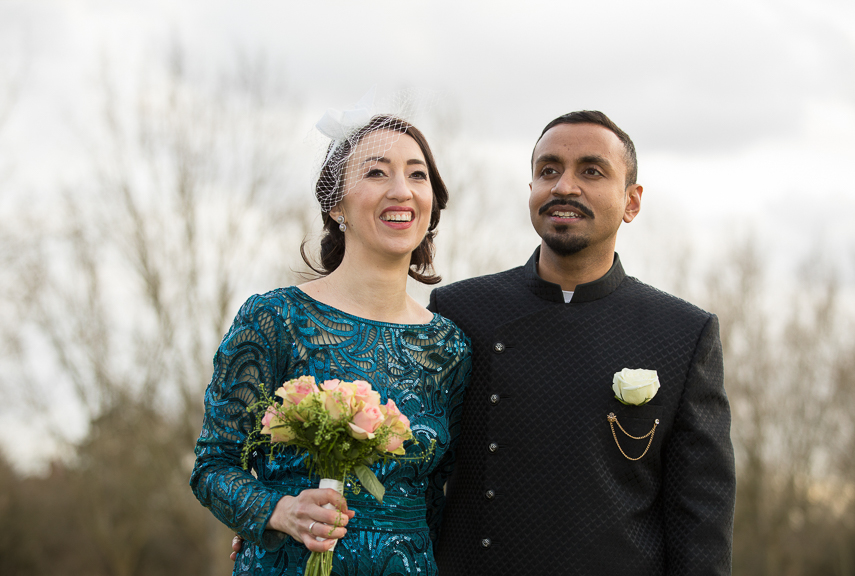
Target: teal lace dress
{"x":424,"y":368}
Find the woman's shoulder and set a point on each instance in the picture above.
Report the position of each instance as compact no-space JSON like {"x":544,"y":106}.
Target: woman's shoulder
{"x":276,"y":298}
{"x":258,"y":307}
{"x":447,"y":324}
{"x":454,"y":336}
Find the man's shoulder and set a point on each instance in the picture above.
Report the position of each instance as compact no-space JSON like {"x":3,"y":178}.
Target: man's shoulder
{"x":481,"y":285}
{"x":475,"y":300}
{"x":655,"y":301}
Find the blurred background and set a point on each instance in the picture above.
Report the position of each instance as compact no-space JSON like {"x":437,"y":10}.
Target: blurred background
{"x":156,"y":168}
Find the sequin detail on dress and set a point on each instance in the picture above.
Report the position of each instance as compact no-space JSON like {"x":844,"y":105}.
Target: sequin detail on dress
{"x":424,"y":368}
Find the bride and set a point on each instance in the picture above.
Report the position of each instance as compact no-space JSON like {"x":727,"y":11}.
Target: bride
{"x":381,"y":196}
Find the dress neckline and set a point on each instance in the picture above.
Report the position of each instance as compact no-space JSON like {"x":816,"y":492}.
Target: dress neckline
{"x":300,"y":294}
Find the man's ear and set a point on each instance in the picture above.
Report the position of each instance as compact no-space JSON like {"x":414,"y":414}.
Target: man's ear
{"x":633,"y":202}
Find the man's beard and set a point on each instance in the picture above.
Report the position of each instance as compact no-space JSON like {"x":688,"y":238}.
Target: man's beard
{"x":565,"y":244}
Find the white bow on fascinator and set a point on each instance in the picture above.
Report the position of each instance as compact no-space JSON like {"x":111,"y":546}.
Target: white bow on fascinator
{"x":339,"y":124}
{"x":347,"y":127}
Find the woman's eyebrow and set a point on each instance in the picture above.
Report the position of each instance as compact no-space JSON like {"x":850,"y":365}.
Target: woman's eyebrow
{"x":376,"y":159}
{"x":384,"y":160}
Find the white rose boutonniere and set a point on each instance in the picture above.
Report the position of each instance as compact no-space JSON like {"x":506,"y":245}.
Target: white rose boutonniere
{"x":635,"y":387}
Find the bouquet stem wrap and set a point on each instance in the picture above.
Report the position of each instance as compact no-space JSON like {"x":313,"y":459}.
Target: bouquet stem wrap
{"x":342,"y":426}
{"x":336,"y":485}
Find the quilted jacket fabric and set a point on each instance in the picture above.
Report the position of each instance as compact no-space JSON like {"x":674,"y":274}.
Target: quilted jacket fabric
{"x":541,"y":486}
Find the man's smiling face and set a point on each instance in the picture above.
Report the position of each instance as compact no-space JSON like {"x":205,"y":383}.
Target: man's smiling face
{"x":578,"y":189}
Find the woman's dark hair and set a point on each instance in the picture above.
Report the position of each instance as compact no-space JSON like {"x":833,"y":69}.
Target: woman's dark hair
{"x":332,"y":241}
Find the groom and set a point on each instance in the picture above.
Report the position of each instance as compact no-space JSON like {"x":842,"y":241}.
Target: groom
{"x":554,"y":474}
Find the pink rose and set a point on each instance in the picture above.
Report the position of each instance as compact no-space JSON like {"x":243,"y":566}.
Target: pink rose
{"x":364,"y":395}
{"x":393,"y":417}
{"x":363,"y":388}
{"x":399,"y":428}
{"x":405,"y":422}
{"x":330,"y":384}
{"x":394,"y":445}
{"x":293,"y":391}
{"x":365,"y":422}
{"x":268,"y":416}
{"x":390,"y":411}
{"x":303,"y":410}
{"x":274,"y":425}
{"x":339,"y":398}
{"x":338,"y":405}
{"x":399,"y":433}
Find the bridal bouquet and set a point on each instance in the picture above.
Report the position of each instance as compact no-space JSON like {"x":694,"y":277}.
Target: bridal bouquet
{"x":343,"y":428}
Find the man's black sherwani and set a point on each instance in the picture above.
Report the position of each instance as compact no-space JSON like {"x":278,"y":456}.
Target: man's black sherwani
{"x":541,"y":486}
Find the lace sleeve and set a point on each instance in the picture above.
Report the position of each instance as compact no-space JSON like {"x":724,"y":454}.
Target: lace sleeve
{"x":250,"y":356}
{"x":457,"y":379}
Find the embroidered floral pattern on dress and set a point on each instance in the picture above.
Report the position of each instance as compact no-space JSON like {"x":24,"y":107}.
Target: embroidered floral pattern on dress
{"x":285,"y":334}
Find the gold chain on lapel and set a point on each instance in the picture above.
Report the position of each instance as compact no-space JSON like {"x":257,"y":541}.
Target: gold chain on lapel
{"x":613,"y":420}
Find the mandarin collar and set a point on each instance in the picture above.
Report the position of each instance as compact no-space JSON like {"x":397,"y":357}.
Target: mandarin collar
{"x":587,"y":292}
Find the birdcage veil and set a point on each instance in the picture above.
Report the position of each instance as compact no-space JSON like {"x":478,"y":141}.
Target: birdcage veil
{"x":340,"y":131}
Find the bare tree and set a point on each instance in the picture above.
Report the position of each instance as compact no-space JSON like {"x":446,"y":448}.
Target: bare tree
{"x":784,"y":371}
{"x":127,"y":294}
{"x":123,"y":295}
{"x":13,"y":71}
{"x":477,"y":230}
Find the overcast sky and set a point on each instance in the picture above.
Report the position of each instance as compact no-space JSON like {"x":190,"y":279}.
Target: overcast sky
{"x":743,"y":112}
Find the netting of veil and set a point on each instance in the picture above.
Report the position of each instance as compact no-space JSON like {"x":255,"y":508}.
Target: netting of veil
{"x":341,"y":130}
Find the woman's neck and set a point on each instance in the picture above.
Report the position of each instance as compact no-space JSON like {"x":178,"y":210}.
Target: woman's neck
{"x":369,"y":289}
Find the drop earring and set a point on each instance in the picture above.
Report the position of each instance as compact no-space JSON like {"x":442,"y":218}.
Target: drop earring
{"x":341,"y":225}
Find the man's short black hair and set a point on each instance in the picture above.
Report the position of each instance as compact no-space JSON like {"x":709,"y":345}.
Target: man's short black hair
{"x":596,"y":117}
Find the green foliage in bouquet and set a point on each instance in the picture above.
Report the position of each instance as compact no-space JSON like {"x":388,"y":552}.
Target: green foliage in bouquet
{"x":342,"y":426}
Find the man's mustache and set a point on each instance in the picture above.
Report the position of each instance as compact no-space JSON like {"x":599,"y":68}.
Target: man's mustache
{"x":566,"y":202}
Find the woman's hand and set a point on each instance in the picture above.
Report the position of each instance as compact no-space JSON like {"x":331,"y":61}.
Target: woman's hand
{"x":303,"y":517}
{"x":237,"y":544}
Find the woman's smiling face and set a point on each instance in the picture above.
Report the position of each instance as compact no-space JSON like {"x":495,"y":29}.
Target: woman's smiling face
{"x":388,"y":199}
